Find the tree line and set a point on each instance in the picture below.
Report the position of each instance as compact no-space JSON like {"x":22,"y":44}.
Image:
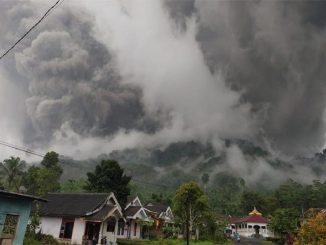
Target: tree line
{"x":45,"y":177}
{"x":199,"y":210}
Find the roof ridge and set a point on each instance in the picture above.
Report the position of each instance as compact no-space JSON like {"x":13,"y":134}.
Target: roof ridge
{"x":79,"y":193}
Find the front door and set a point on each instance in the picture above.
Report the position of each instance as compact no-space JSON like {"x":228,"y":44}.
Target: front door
{"x":92,"y":232}
{"x":257,"y":228}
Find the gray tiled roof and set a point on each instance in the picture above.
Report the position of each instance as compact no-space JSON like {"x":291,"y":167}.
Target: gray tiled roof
{"x":72,"y":204}
{"x":21,"y":196}
{"x":156,"y":207}
{"x":101,"y":214}
{"x":131,"y":211}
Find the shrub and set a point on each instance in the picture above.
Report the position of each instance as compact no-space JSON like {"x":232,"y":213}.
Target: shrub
{"x":31,"y":241}
{"x":39,"y":239}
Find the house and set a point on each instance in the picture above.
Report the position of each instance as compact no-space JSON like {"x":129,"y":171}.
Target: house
{"x":81,"y":218}
{"x":138,"y":222}
{"x":161,"y":215}
{"x":255,"y":224}
{"x":15,"y":209}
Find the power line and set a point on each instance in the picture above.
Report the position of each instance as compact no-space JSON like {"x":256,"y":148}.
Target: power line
{"x":29,"y":151}
{"x":35,"y":25}
{"x":20,"y":148}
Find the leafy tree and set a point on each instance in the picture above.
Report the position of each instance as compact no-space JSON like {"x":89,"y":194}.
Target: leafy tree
{"x":313,"y":230}
{"x":109,"y":177}
{"x":251,"y":199}
{"x":284,"y":221}
{"x":51,"y":162}
{"x":72,"y":185}
{"x":39,"y":180}
{"x":162,"y":198}
{"x":225,"y":193}
{"x":190,"y":206}
{"x":291,"y":195}
{"x":213,"y":228}
{"x":12,"y":170}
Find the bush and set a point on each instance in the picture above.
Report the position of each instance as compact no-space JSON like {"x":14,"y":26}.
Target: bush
{"x":31,"y":241}
{"x":39,"y":239}
{"x":276,"y":240}
{"x":160,"y":242}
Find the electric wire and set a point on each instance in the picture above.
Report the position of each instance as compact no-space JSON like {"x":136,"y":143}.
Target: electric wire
{"x":29,"y":151}
{"x":47,"y":13}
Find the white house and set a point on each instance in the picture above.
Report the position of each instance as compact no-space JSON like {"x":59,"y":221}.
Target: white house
{"x":252,"y":225}
{"x":138,"y":222}
{"x":81,"y":218}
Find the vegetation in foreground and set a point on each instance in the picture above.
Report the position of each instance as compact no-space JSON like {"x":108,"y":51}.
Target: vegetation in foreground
{"x":167,"y":242}
{"x":228,"y":196}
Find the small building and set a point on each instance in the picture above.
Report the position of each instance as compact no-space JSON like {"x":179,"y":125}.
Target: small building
{"x":252,"y":225}
{"x":137,"y":225}
{"x":161,"y":215}
{"x":81,"y":218}
{"x":15,"y":209}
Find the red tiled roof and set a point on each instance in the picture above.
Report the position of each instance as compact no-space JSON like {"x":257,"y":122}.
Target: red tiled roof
{"x":233,"y":220}
{"x":252,"y":219}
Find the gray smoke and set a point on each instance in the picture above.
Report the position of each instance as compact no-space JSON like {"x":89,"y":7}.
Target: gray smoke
{"x":98,"y":76}
{"x":67,"y":79}
{"x":275,"y":52}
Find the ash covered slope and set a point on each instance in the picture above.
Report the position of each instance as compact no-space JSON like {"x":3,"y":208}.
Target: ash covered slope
{"x":184,"y":161}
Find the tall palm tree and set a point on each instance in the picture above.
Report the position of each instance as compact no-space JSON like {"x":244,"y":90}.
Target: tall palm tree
{"x":11,"y":172}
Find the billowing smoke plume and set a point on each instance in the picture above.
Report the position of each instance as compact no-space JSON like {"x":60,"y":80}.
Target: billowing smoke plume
{"x":274,"y":51}
{"x":98,"y":76}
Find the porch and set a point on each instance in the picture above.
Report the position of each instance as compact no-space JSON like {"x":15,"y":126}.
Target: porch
{"x":102,"y":227}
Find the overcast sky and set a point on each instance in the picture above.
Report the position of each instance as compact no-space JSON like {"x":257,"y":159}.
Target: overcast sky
{"x":96,"y":76}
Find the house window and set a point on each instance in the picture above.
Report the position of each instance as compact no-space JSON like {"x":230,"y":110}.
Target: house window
{"x":110,"y":226}
{"x":66,"y":229}
{"x":8,"y":223}
{"x":263,"y":227}
{"x":121,"y":227}
{"x":135,"y":229}
{"x":250,"y":226}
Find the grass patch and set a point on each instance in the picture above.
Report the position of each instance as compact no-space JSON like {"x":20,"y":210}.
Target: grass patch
{"x":268,"y":243}
{"x":167,"y":242}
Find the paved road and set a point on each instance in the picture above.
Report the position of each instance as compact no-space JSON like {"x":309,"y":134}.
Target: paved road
{"x":249,"y":241}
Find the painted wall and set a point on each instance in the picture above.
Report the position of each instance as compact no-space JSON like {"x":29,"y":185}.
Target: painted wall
{"x":110,"y":236}
{"x":16,"y":206}
{"x":250,"y":231}
{"x":130,"y":229}
{"x":78,"y":231}
{"x":137,"y":235}
{"x":51,"y":226}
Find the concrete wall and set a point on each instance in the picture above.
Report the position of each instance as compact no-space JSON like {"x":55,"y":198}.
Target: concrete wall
{"x":78,"y":231}
{"x":16,"y":206}
{"x":51,"y":226}
{"x":250,"y":231}
{"x":137,"y":235}
{"x":110,"y":236}
{"x":130,"y":229}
